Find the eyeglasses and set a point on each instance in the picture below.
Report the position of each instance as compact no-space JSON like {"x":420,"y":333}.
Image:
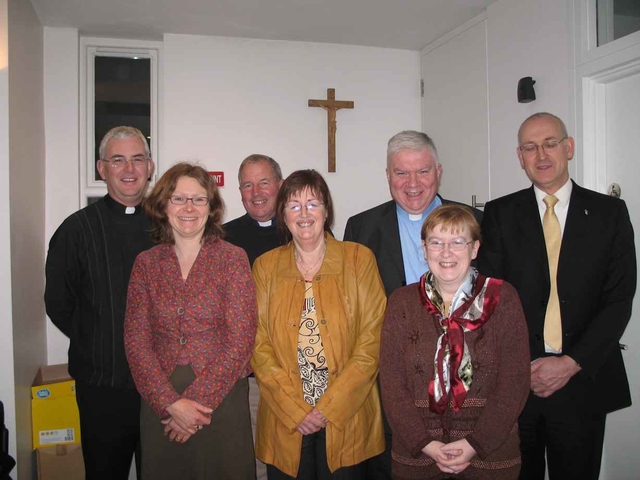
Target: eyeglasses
{"x":196,"y":201}
{"x":548,"y":146}
{"x":297,"y":207}
{"x":120,"y":162}
{"x":455,"y":246}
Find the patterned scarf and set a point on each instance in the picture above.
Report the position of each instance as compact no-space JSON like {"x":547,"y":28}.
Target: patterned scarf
{"x":471,"y":307}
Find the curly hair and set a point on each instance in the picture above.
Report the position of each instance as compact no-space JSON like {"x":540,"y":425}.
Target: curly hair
{"x":155,"y":205}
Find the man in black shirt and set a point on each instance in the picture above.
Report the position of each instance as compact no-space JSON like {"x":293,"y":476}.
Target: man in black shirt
{"x":87,"y":273}
{"x":256,"y":232}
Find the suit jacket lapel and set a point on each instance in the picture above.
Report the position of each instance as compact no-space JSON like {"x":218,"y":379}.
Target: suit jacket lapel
{"x":530,"y":232}
{"x":576,"y":227}
{"x":391,"y":257}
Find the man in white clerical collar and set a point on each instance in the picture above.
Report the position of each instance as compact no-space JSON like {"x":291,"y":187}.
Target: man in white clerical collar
{"x":260,"y":178}
{"x":392,"y":230}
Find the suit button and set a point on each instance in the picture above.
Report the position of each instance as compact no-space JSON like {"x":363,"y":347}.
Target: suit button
{"x":317,"y":279}
{"x":323,"y":321}
{"x":334,"y":371}
{"x":180,"y":310}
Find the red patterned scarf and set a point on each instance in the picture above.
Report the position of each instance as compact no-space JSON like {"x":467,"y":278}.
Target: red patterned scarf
{"x":471,"y":308}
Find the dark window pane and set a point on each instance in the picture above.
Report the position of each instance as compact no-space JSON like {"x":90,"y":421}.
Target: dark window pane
{"x":122,"y":96}
{"x":617,"y":19}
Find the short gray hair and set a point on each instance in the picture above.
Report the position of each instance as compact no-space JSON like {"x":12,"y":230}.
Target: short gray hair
{"x":411,"y":140}
{"x":120,"y":133}
{"x":540,"y":115}
{"x":258,"y":157}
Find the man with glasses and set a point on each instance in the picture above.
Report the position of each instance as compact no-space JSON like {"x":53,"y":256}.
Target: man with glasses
{"x":570,"y":254}
{"x":260,"y":178}
{"x":87,"y":273}
{"x":392,"y":230}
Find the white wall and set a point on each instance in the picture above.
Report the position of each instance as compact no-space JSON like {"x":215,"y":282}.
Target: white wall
{"x":62,"y":167}
{"x":27,"y":213}
{"x":7,"y":387}
{"x":525,"y":39}
{"x":226,"y":98}
{"x":223,"y":99}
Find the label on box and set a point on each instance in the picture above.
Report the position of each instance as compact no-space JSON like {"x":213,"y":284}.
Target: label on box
{"x":62,"y":435}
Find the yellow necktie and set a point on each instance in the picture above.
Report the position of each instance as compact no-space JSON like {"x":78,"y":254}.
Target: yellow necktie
{"x":552,"y":238}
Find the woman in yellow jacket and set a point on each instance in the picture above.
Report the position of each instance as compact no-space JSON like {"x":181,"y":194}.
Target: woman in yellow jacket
{"x":321,"y":304}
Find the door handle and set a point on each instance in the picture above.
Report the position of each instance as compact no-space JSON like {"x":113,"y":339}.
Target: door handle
{"x":475,"y":204}
{"x":614,"y":190}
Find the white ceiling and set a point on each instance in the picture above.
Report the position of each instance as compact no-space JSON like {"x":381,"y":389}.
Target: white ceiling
{"x":403,"y":24}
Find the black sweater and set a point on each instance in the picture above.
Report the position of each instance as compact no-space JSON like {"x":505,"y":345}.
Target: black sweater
{"x":87,"y":274}
{"x":244,"y":232}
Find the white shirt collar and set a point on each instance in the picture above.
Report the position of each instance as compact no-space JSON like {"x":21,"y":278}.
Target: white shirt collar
{"x":563,"y":194}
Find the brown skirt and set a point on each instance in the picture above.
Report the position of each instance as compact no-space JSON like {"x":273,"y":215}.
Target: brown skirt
{"x":221,"y":450}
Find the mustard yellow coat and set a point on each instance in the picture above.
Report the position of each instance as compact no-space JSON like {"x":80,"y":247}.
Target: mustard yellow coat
{"x":350,"y":304}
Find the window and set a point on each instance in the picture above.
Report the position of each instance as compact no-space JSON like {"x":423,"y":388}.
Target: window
{"x":120,"y":87}
{"x":616,"y":19}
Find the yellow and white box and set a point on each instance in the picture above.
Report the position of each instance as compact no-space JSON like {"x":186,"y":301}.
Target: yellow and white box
{"x":54,"y":411}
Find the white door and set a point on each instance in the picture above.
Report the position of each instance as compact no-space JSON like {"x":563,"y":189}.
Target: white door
{"x":455,"y":66}
{"x":609,"y":105}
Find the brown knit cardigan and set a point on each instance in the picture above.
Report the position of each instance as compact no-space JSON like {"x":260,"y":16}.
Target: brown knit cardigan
{"x":488,"y":419}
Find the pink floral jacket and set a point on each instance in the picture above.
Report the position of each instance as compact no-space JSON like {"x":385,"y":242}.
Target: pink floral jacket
{"x":210,"y":318}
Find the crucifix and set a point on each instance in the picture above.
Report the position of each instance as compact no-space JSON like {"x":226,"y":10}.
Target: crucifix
{"x":331,"y":105}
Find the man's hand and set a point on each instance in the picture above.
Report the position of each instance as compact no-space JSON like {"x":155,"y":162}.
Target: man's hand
{"x":550,"y":374}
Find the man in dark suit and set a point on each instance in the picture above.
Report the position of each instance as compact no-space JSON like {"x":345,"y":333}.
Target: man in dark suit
{"x":392,"y":230}
{"x":576,"y":317}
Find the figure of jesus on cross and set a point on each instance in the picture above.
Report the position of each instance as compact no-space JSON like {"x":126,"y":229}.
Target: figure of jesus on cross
{"x":331,"y":105}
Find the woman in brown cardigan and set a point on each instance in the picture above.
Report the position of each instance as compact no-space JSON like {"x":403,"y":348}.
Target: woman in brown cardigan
{"x":454,"y":362}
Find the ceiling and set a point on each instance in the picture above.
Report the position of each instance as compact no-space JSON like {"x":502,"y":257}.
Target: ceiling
{"x":402,"y":24}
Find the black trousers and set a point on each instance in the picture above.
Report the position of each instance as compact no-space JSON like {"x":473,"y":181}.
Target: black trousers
{"x":313,"y":463}
{"x":567,"y":428}
{"x":110,"y":430}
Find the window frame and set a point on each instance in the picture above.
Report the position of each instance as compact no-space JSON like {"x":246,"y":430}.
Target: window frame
{"x":90,"y":47}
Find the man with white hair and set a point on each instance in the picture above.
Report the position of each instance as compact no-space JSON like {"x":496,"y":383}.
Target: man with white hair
{"x":392,"y":230}
{"x":87,"y":274}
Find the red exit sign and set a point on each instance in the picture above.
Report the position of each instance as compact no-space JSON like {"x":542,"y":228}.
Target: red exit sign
{"x":218,"y":177}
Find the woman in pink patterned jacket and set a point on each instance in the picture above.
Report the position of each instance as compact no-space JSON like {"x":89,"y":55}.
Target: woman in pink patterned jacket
{"x":189,"y":331}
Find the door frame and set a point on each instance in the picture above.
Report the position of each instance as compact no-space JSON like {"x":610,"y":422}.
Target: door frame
{"x":595,"y":67}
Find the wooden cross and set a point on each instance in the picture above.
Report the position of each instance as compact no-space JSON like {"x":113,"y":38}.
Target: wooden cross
{"x":331,"y":105}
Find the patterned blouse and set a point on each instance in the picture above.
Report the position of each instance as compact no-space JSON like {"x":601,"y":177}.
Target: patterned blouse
{"x":311,"y":358}
{"x":209,"y":318}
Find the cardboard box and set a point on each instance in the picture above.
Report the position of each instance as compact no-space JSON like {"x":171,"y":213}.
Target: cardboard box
{"x":62,"y":462}
{"x":54,"y":411}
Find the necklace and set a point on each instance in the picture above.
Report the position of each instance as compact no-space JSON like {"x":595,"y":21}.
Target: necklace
{"x":307,"y":270}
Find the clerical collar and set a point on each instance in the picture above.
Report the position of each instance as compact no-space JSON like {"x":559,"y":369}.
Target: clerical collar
{"x":117,"y":207}
{"x":269,"y":223}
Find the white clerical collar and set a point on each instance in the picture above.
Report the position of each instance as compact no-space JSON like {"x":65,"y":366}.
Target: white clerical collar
{"x":130,"y":210}
{"x":415,"y":218}
{"x":268,"y":223}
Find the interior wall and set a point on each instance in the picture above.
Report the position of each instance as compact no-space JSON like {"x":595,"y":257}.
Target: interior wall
{"x":525,"y":39}
{"x":7,"y":386}
{"x":223,"y":99}
{"x":62,"y":166}
{"x":226,"y":98}
{"x":27,"y":213}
